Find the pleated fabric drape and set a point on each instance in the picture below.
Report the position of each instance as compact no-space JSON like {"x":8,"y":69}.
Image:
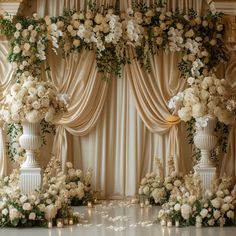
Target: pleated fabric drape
{"x":5,"y":81}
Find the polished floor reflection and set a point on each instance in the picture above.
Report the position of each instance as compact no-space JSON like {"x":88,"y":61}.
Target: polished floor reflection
{"x":118,"y":218}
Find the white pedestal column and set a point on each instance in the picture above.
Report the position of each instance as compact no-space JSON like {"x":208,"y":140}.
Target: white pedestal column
{"x":30,"y":172}
{"x":205,"y":140}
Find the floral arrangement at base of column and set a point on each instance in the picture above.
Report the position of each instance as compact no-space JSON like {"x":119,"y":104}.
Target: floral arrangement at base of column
{"x":156,"y":188}
{"x":79,"y":185}
{"x":189,"y":205}
{"x":41,"y":206}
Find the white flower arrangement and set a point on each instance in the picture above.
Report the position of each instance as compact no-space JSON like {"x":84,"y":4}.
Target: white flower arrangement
{"x":32,"y":101}
{"x":79,"y":185}
{"x":189,"y":205}
{"x":39,"y":207}
{"x":156,"y":188}
{"x":206,"y":96}
{"x":146,"y":29}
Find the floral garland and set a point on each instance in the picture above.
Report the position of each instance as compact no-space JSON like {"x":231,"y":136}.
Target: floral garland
{"x":146,"y":29}
{"x":44,"y":205}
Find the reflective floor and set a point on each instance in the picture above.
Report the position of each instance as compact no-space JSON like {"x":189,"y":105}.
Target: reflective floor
{"x":118,"y":218}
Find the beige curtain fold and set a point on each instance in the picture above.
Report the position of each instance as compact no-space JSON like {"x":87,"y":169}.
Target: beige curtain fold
{"x":6,"y":73}
{"x":77,"y":76}
{"x":228,"y":163}
{"x":152,"y":92}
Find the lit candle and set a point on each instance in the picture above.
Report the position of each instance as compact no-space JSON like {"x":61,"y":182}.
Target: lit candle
{"x":90,"y":204}
{"x":49,"y":224}
{"x":141,"y":204}
{"x":198,"y":224}
{"x":163,"y":223}
{"x":71,"y":222}
{"x":176,"y":223}
{"x":59,"y":223}
{"x":169,"y":223}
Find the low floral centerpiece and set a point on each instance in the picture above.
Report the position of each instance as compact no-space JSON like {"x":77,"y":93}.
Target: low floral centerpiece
{"x":190,"y":205}
{"x":79,"y":185}
{"x":156,"y":188}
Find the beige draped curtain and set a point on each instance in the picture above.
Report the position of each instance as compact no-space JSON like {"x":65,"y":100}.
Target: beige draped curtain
{"x":77,"y":76}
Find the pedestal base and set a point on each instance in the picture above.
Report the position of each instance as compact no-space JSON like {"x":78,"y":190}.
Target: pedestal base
{"x":30,"y":179}
{"x":207,"y":174}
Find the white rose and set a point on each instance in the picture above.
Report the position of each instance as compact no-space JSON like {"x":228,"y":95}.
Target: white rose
{"x":146,"y":190}
{"x":185,"y":114}
{"x":177,"y":207}
{"x":69,"y":165}
{"x":36,"y":105}
{"x":230,"y":214}
{"x":32,"y":216}
{"x":18,"y":26}
{"x":216,"y":214}
{"x":189,"y":33}
{"x":216,"y":203}
{"x":14,"y":214}
{"x":23,"y":199}
{"x":204,"y":213}
{"x":191,"y":80}
{"x":16,"y":49}
{"x":169,"y":186}
{"x":186,"y":210}
{"x":49,"y":116}
{"x":27,"y":206}
{"x":199,"y":110}
{"x":27,"y":46}
{"x":211,"y":222}
{"x":228,"y":199}
{"x":33,"y":116}
{"x":25,"y":33}
{"x":17,"y":34}
{"x":5,"y":211}
{"x":225,"y":207}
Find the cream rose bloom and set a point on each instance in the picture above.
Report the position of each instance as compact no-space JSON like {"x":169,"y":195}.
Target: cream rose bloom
{"x":27,"y":206}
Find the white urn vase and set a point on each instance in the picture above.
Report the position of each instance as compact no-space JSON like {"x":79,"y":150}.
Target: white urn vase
{"x":30,"y":173}
{"x":205,"y":139}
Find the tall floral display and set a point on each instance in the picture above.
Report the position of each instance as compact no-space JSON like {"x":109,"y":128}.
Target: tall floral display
{"x":29,"y":102}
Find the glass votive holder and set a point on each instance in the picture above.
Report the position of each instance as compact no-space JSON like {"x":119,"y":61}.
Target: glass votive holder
{"x":49,"y":224}
{"x":90,"y":205}
{"x":169,"y":223}
{"x":71,"y":221}
{"x":59,"y":223}
{"x":163,"y":223}
{"x":176,"y":223}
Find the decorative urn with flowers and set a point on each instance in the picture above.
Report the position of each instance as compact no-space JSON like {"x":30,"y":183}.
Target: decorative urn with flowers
{"x":29,"y":102}
{"x":206,"y":100}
